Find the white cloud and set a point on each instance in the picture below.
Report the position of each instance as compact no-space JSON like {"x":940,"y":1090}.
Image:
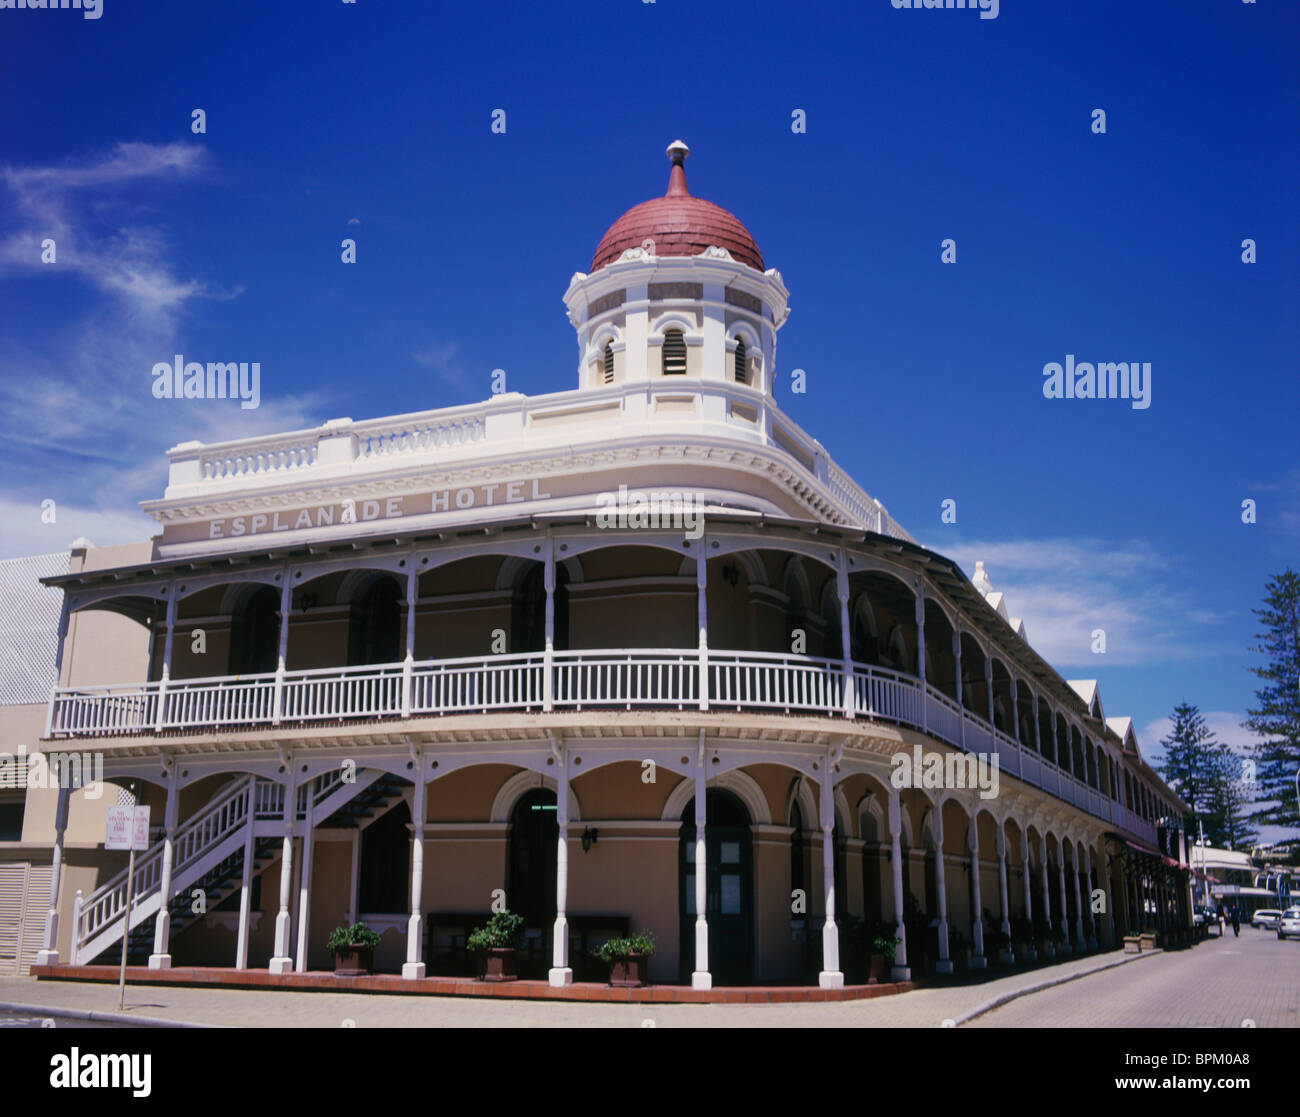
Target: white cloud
{"x":77,"y":415}
{"x":440,"y":358}
{"x":24,"y":533}
{"x":1065,"y":589}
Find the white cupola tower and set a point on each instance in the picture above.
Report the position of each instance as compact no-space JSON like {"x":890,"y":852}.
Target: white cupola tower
{"x":677,"y":288}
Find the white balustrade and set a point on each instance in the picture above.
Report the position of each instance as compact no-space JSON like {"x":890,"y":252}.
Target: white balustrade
{"x":628,"y":678}
{"x":639,"y":677}
{"x":759,"y":680}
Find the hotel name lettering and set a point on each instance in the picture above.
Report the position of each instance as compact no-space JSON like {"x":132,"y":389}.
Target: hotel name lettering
{"x":361,"y":510}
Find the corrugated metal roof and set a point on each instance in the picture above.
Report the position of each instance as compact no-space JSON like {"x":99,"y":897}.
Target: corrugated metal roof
{"x":29,"y":627}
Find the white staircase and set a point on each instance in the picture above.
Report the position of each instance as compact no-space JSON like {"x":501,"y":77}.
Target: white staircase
{"x":205,"y":845}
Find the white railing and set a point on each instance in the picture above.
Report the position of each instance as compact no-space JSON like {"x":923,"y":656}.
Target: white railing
{"x":410,"y":434}
{"x":499,"y":682}
{"x":218,"y":700}
{"x":342,"y":692}
{"x":772,"y":681}
{"x":639,"y":677}
{"x":277,"y":454}
{"x":879,"y":693}
{"x":94,"y":710}
{"x":629,"y":678}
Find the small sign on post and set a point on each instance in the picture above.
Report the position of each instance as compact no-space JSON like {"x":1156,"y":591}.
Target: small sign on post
{"x":126,"y":828}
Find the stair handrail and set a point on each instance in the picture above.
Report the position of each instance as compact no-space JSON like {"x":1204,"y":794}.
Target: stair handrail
{"x":105,"y":904}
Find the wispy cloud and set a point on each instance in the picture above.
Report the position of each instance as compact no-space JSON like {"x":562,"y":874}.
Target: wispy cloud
{"x":1064,"y":589}
{"x":441,"y":359}
{"x":78,"y":420}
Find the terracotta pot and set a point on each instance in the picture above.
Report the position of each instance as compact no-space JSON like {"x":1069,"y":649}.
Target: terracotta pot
{"x":878,"y":970}
{"x":630,"y":972}
{"x":497,"y":963}
{"x":353,"y":960}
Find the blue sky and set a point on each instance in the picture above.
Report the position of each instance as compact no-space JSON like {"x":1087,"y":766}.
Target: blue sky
{"x":372,"y":120}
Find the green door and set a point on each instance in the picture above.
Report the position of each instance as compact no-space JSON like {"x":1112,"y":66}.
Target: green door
{"x":729,"y":895}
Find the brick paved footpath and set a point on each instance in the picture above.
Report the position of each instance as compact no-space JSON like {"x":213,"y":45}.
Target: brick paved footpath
{"x":922,"y":1008}
{"x":1219,"y":984}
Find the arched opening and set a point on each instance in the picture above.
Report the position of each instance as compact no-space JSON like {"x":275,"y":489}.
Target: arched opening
{"x":385,"y":870}
{"x":609,"y":363}
{"x":674,"y":353}
{"x":742,"y":371}
{"x":375,"y":625}
{"x":528,"y":610}
{"x":530,"y":878}
{"x":729,"y":889}
{"x":255,"y":634}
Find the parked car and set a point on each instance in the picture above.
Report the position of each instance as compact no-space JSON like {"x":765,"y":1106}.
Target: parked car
{"x":1198,"y":917}
{"x":1289,"y":924}
{"x":1266,"y":917}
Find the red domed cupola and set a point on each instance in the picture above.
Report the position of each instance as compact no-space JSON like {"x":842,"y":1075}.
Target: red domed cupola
{"x":679,"y":224}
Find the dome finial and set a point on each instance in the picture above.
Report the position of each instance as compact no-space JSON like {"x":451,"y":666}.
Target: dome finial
{"x":677,"y":152}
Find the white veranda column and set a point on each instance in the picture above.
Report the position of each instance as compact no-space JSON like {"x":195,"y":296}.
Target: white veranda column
{"x":1087,"y":897}
{"x":944,"y":964}
{"x":961,"y":706}
{"x":167,"y":657}
{"x":1066,"y":947}
{"x":1079,"y":937}
{"x":304,"y":876}
{"x":548,"y":648}
{"x":1047,"y":884}
{"x":281,"y":961}
{"x":561,"y":973}
{"x":1031,"y":949}
{"x":920,"y":657}
{"x":702,"y":619}
{"x":977,"y":961}
{"x":1007,"y":954}
{"x":831,"y":976}
{"x":1015,"y":710}
{"x":246,"y":879}
{"x":408,"y":663}
{"x":901,"y":971}
{"x":49,"y":954}
{"x":988,"y":682}
{"x":413,"y":968}
{"x":846,"y":635}
{"x":161,"y":959}
{"x":282,"y":648}
{"x":700,"y":977}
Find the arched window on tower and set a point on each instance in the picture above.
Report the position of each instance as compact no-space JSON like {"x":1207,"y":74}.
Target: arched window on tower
{"x":609,"y":363}
{"x":742,"y":370}
{"x":674,"y":353}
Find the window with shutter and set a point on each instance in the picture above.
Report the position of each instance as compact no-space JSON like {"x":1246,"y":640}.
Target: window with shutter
{"x":674,"y":353}
{"x":609,"y":363}
{"x":742,"y":372}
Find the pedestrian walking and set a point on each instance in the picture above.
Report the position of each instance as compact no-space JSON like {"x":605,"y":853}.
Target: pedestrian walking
{"x":1223,"y":923}
{"x":1236,"y":923}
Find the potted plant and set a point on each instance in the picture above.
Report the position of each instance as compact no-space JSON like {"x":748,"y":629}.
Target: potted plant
{"x":883,"y":949}
{"x":629,"y":959}
{"x":353,"y":949}
{"x":495,"y":944}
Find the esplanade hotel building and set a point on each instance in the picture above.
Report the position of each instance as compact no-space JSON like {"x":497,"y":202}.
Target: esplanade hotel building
{"x":636,"y":655}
